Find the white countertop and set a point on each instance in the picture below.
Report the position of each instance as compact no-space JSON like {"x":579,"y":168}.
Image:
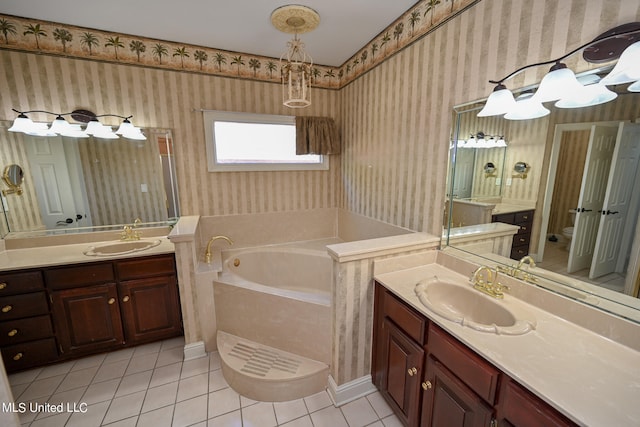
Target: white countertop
{"x":44,"y":256}
{"x":592,"y":380}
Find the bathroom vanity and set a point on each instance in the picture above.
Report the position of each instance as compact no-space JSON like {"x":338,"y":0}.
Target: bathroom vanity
{"x":52,"y":312}
{"x":436,"y":372}
{"x":521,"y":240}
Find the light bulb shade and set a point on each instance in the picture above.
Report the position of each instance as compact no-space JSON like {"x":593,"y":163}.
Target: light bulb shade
{"x":627,"y":69}
{"x":105,"y":133}
{"x":22,"y":123}
{"x":74,"y":131}
{"x":635,"y":87}
{"x":528,"y":108}
{"x":501,"y":143}
{"x":590,"y":95}
{"x":94,"y":126}
{"x":125,"y":127}
{"x":59,"y":125}
{"x":135,"y":133}
{"x":471,"y":142}
{"x":559,"y":83}
{"x":499,"y":102}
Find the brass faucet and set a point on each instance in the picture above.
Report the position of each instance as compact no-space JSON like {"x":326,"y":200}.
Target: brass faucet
{"x":207,"y":254}
{"x":490,"y":285}
{"x":129,"y":233}
{"x":518,"y":271}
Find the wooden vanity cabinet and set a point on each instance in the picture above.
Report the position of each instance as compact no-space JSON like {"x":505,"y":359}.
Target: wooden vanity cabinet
{"x":399,"y":339}
{"x":522,"y":239}
{"x":102,"y":306}
{"x":56,"y":313}
{"x":26,"y":330}
{"x":451,"y":385}
{"x":149,"y":299}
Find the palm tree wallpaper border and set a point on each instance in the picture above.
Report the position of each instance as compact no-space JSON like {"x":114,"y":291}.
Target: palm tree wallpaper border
{"x":24,"y":34}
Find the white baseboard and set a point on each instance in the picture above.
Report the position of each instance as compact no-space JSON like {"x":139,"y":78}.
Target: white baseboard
{"x":348,"y":392}
{"x":194,"y":350}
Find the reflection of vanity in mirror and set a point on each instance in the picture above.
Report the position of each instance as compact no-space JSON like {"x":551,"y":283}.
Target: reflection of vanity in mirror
{"x":88,"y":184}
{"x":581,"y":167}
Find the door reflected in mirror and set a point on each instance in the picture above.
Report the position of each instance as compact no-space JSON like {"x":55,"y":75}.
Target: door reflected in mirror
{"x":90,"y":183}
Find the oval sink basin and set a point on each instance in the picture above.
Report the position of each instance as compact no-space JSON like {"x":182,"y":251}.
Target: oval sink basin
{"x":121,"y":248}
{"x":468,"y":307}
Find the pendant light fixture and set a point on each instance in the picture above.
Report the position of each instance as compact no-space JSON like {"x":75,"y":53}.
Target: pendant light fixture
{"x":296,"y":66}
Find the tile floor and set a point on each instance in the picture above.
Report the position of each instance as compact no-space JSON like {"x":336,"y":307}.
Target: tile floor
{"x":556,"y":257}
{"x":150,"y":385}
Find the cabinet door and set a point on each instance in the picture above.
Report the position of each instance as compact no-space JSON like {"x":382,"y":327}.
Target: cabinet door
{"x":150,"y":308}
{"x":448,"y":402}
{"x":87,"y":319}
{"x":403,"y":359}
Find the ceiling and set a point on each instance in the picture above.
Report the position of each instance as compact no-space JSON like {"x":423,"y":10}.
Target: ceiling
{"x":235,"y":25}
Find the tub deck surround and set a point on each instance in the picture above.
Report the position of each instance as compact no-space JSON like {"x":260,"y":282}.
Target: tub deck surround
{"x":589,"y":378}
{"x":382,"y":246}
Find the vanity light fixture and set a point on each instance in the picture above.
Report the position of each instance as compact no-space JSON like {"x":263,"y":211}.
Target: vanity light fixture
{"x":60,"y":126}
{"x":481,"y":140}
{"x":561,"y":85}
{"x":296,"y":66}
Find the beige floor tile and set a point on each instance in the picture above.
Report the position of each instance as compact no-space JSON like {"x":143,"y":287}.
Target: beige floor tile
{"x":124,"y":407}
{"x":217,"y":381}
{"x":172,"y":343}
{"x":190,"y":411}
{"x":118,"y":355}
{"x":288,"y":411}
{"x":380,"y":405}
{"x":161,"y":417}
{"x":69,"y":396}
{"x":214,"y":361}
{"x":195,"y":367}
{"x":359,"y":413}
{"x":170,"y":357}
{"x":109,"y":371}
{"x":158,"y":397}
{"x":133,"y":383}
{"x":92,"y":418}
{"x":317,"y":401}
{"x":25,"y":377}
{"x":329,"y":417}
{"x":165,"y":374}
{"x":41,"y":388}
{"x":88,"y":362}
{"x":129,"y":422}
{"x":300,"y":422}
{"x":391,"y":421}
{"x":259,"y":415}
{"x":231,"y":419}
{"x":141,"y":363}
{"x":100,"y":392}
{"x":193,"y":386}
{"x":55,"y":370}
{"x":58,"y":420}
{"x":77,"y":379}
{"x":150,"y":348}
{"x":223,"y":401}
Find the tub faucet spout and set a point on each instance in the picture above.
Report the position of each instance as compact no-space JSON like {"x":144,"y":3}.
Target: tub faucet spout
{"x":207,"y":254}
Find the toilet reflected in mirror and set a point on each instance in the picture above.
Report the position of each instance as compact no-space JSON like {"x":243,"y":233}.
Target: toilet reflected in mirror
{"x":567,"y":232}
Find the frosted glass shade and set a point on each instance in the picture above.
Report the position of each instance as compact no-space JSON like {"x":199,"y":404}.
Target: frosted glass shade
{"x":593,"y":94}
{"x":528,"y":108}
{"x":557,"y":84}
{"x":22,"y":123}
{"x":94,"y":126}
{"x":635,"y":87}
{"x":60,"y":125}
{"x":499,"y":102}
{"x":627,"y":68}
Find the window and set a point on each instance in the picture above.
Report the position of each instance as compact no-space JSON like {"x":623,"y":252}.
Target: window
{"x":255,"y":142}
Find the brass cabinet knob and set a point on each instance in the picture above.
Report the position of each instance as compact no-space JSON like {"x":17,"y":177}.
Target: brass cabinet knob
{"x":412,"y":371}
{"x":125,"y":299}
{"x":3,"y":285}
{"x":426,"y":385}
{"x":7,"y":308}
{"x":111,"y":301}
{"x":17,"y":356}
{"x":13,"y":332}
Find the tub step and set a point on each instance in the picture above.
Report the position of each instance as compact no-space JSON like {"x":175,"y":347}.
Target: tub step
{"x":264,"y":373}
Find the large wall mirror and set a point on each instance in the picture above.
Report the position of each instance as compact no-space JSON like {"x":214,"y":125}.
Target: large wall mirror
{"x":581,"y":184}
{"x":88,"y":184}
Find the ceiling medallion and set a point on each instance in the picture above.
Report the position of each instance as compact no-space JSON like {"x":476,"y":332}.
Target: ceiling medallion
{"x":295,"y":19}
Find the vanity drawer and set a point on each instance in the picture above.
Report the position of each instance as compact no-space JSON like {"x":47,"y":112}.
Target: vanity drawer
{"x":26,"y":355}
{"x":524,"y":229}
{"x":146,"y":267}
{"x":521,"y":239}
{"x":27,"y":305}
{"x":412,"y":323}
{"x":29,"y":329}
{"x":525,"y":216}
{"x":473,"y":370}
{"x":19,"y":283}
{"x":517,"y":252}
{"x":79,"y":275}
